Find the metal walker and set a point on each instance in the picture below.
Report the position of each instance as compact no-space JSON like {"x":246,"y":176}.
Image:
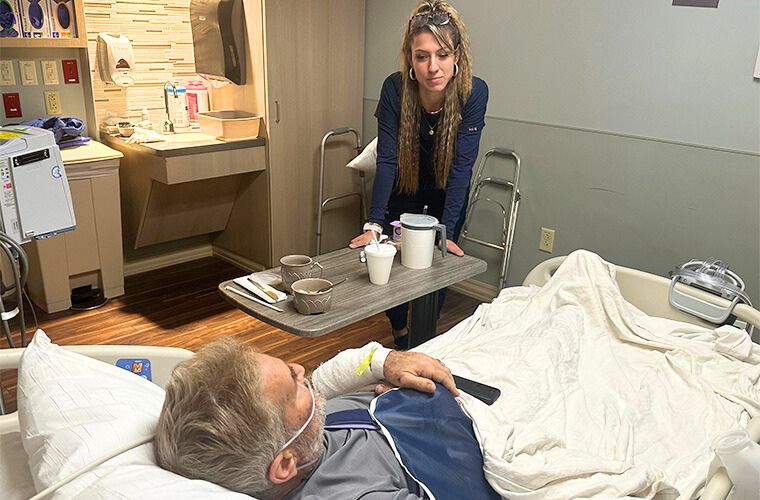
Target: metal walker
{"x":509,"y":219}
{"x":324,"y":201}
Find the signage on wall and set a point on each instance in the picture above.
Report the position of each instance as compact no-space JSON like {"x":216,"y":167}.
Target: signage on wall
{"x":697,"y":3}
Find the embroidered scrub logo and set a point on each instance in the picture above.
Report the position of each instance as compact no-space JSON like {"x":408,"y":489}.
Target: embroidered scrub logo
{"x":472,"y":129}
{"x":56,"y":172}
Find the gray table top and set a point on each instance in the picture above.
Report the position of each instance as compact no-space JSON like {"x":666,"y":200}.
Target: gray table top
{"x":357,"y":299}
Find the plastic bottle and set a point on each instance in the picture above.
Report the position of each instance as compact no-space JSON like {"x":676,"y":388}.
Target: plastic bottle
{"x":179,"y":108}
{"x":741,"y":458}
{"x":197,"y":100}
{"x":145,"y":119}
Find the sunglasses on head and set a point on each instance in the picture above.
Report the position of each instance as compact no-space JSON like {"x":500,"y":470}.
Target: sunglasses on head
{"x":434,"y":17}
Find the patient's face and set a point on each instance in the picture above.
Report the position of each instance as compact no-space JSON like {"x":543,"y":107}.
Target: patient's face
{"x":284,"y":385}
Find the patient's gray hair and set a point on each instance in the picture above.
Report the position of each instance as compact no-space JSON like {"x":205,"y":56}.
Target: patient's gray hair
{"x":216,"y":424}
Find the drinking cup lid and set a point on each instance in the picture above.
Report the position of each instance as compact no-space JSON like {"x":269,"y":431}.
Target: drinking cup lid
{"x":381,"y":249}
{"x":418,"y":221}
{"x":731,"y":442}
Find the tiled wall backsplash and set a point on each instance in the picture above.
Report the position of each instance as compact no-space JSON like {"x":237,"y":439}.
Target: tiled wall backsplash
{"x":160,"y":34}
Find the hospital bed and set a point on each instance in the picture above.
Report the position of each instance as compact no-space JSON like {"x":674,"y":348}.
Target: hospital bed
{"x":645,"y":291}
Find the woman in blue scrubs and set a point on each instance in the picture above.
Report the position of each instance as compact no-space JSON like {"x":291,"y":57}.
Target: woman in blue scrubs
{"x":429,"y":121}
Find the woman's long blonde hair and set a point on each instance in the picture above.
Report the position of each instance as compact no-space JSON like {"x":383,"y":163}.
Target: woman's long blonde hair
{"x":452,"y":36}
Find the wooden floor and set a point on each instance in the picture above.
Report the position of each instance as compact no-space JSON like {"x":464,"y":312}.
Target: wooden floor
{"x":179,"y":306}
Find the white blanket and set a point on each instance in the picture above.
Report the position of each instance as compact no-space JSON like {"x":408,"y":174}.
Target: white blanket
{"x":598,"y":399}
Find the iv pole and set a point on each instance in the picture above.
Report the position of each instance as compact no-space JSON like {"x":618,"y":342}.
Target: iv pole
{"x":19,"y":265}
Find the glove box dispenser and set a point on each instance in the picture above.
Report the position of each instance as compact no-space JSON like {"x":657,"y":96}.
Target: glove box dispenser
{"x":218,"y":28}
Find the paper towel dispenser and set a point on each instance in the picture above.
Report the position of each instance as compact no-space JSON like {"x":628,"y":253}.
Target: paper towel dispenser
{"x":218,"y":28}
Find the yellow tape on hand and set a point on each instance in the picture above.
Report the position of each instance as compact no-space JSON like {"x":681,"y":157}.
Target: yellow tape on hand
{"x":366,"y":362}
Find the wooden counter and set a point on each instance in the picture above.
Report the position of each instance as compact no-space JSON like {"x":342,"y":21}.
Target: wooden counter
{"x":183,"y":144}
{"x":183,"y":187}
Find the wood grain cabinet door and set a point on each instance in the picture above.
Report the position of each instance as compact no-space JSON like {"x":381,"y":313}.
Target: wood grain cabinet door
{"x":315,"y":72}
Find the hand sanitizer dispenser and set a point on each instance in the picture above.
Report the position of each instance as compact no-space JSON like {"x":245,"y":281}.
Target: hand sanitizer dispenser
{"x":116,"y":60}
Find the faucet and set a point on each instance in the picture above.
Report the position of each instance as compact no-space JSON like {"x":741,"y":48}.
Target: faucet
{"x":168,"y":124}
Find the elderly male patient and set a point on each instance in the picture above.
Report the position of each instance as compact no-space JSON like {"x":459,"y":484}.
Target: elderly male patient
{"x":255,"y":424}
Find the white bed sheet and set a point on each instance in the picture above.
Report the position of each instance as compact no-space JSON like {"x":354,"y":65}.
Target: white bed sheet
{"x":598,"y":399}
{"x":15,"y":480}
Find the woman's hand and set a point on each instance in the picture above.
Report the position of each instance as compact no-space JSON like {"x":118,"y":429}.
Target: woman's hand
{"x":452,"y":247}
{"x":361,"y":240}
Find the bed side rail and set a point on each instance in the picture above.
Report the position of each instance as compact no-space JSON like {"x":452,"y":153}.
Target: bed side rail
{"x":649,"y":293}
{"x":163,"y":359}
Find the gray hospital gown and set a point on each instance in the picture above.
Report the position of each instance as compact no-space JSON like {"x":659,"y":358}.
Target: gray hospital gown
{"x":357,"y":463}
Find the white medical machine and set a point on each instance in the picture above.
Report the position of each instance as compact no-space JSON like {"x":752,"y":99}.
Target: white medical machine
{"x":717,"y":280}
{"x":34,"y":191}
{"x":35,"y":202}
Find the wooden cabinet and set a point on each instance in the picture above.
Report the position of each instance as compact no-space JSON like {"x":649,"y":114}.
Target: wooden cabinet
{"x":305,"y":77}
{"x":178,"y":189}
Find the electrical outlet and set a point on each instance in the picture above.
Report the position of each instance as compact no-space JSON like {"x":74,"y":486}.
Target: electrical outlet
{"x":7,"y":77}
{"x":53,"y":103}
{"x":28,"y":71}
{"x":50,"y":73}
{"x":546,"y":244}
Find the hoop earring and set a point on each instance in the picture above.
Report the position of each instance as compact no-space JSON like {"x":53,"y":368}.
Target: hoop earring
{"x":411,"y":74}
{"x":456,"y":70}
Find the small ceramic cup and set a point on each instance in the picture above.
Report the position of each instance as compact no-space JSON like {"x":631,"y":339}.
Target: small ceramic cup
{"x":308,"y":300}
{"x":297,"y":267}
{"x":126,"y":130}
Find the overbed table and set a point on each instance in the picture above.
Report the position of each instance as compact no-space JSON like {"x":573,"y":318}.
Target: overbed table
{"x":357,"y":299}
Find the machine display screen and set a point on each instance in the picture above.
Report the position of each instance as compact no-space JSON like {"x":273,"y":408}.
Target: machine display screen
{"x":34,"y":156}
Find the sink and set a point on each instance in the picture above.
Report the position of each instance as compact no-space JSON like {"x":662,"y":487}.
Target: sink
{"x":188,"y":137}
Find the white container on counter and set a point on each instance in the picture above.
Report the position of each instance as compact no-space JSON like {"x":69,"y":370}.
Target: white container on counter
{"x":230,"y":125}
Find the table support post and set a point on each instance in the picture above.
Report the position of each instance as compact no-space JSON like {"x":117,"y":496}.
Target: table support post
{"x":424,"y":319}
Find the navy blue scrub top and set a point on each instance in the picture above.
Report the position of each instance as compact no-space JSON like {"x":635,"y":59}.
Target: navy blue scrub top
{"x":466,"y":151}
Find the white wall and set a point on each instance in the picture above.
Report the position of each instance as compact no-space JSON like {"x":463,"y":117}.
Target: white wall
{"x":638,"y":124}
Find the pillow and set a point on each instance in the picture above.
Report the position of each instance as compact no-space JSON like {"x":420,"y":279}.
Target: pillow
{"x":366,"y":161}
{"x":74,"y":409}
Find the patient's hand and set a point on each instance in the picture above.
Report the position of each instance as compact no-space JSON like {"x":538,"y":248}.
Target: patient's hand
{"x":415,"y":371}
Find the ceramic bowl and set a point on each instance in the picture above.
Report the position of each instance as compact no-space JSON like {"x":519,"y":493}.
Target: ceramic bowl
{"x":126,"y":131}
{"x":307,"y":300}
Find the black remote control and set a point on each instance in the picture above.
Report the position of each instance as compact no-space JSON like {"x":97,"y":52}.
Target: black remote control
{"x":483,"y":392}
